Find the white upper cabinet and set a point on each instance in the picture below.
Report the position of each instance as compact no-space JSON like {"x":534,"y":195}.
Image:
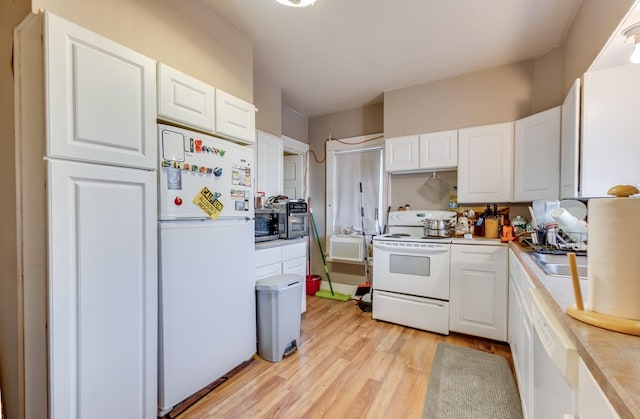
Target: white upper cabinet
{"x":439,"y":150}
{"x":101,"y":98}
{"x":401,"y":153}
{"x":610,"y":127}
{"x":269,"y":161}
{"x":235,"y":118}
{"x":537,"y":156}
{"x":184,"y":99}
{"x":416,"y":153}
{"x":570,"y":143}
{"x":485,"y":163}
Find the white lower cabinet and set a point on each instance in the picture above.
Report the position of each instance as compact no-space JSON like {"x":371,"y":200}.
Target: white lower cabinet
{"x":288,"y":258}
{"x":478,"y":300}
{"x":520,"y":336}
{"x":103,"y":292}
{"x":592,"y":402}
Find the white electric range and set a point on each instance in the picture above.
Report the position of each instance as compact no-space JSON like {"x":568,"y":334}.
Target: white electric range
{"x":411,"y":272}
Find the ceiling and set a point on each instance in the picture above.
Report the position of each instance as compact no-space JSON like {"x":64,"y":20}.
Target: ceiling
{"x":343,"y":54}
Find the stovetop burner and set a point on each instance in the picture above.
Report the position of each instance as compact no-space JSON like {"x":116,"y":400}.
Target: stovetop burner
{"x":397,"y":235}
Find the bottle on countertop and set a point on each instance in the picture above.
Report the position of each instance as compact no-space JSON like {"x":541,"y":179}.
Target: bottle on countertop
{"x":453,"y":199}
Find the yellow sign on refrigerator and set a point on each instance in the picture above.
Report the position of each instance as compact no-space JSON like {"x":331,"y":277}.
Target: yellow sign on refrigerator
{"x":209,"y":203}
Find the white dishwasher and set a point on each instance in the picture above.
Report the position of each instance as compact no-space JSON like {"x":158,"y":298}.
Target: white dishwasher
{"x":555,"y":364}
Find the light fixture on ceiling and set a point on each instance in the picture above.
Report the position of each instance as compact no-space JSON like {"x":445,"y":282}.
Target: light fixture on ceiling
{"x":632,"y":34}
{"x":296,"y":3}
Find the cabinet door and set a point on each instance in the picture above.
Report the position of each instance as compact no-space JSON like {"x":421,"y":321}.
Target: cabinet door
{"x":401,"y":153}
{"x":478,"y":300}
{"x":485,"y":163}
{"x":268,"y":270}
{"x":570,"y":143}
{"x":526,"y":365}
{"x":102,"y":291}
{"x":298,"y":266}
{"x":185,"y":99}
{"x":235,"y":118}
{"x":514,"y":326}
{"x":610,"y":126}
{"x":439,"y":150}
{"x":101,"y":98}
{"x":592,"y":402}
{"x":537,"y":157}
{"x":269,"y":161}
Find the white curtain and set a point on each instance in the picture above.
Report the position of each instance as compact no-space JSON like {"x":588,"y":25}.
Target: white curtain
{"x":351,"y":169}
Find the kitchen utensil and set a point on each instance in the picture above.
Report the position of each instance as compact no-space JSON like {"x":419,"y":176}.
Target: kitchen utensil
{"x":548,"y":207}
{"x":540,"y":210}
{"x":463,"y":226}
{"x":491,"y":228}
{"x":534,"y":219}
{"x":364,"y":237}
{"x":572,"y":226}
{"x":436,"y":224}
{"x":575,"y":280}
{"x":575,"y":208}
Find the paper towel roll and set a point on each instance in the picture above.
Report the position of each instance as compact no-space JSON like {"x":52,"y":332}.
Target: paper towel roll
{"x":614,"y":262}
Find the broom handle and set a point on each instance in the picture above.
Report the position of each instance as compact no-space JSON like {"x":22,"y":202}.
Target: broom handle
{"x":324,"y":262}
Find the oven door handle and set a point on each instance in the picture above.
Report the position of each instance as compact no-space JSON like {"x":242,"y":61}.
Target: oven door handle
{"x":411,"y":249}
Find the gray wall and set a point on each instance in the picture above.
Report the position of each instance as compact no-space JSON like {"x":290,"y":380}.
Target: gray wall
{"x":267,"y":97}
{"x":593,"y":25}
{"x":346,"y":124}
{"x":295,"y":125}
{"x":495,"y":95}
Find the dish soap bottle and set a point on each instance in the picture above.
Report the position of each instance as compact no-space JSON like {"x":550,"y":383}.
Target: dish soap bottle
{"x":453,"y":199}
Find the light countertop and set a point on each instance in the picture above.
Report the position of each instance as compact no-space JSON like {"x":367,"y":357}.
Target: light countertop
{"x":612,"y":358}
{"x":279,"y":242}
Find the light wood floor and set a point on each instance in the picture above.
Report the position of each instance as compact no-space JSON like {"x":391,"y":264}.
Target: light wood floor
{"x":347,"y":365}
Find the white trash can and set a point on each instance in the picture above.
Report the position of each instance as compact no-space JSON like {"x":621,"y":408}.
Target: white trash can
{"x":278,"y":310}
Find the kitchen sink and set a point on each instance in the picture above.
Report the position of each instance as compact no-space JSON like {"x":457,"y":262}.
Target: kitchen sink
{"x":558,"y":265}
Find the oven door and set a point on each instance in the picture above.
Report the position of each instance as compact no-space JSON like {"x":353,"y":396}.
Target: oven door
{"x":412,"y":268}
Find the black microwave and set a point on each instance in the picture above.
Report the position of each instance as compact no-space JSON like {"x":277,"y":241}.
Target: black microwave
{"x":267,"y":224}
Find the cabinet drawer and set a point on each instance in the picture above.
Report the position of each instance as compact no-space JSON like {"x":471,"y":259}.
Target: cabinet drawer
{"x":294,"y":251}
{"x":268,"y":270}
{"x":268,"y":256}
{"x":407,"y":310}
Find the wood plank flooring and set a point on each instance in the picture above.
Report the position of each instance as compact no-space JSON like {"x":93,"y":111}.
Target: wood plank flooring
{"x":347,"y":365}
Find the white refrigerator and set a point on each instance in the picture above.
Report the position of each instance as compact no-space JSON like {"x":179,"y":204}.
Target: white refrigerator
{"x":206,"y":262}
